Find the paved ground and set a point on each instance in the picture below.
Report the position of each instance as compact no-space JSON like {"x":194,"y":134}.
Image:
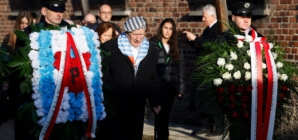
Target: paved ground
{"x":177,"y":132}
{"x":6,"y":131}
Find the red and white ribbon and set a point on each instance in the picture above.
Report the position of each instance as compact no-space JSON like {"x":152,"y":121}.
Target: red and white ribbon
{"x":262,"y":130}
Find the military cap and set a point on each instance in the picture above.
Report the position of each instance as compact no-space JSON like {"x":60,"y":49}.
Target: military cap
{"x":54,"y":5}
{"x":242,"y":9}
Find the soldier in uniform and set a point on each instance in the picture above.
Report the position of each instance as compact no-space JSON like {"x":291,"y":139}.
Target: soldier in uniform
{"x":52,"y":13}
{"x":241,"y":17}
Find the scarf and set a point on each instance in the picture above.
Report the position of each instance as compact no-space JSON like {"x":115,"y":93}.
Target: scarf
{"x":125,"y":48}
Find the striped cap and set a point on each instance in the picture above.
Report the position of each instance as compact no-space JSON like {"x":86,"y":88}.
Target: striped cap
{"x":134,"y":23}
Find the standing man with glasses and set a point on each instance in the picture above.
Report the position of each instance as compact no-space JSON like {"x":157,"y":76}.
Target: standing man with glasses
{"x":105,"y":15}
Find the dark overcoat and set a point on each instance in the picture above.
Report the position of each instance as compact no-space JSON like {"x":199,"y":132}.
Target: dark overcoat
{"x":130,"y":92}
{"x":209,"y":34}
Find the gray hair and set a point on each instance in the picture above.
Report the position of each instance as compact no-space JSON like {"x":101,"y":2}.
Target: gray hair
{"x":210,"y":9}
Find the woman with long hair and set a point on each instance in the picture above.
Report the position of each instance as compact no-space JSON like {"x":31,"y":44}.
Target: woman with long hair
{"x":22,"y":21}
{"x":106,"y":31}
{"x":170,"y":72}
{"x":12,"y":91}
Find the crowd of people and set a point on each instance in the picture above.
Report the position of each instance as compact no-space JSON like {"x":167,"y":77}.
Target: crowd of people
{"x":137,"y":69}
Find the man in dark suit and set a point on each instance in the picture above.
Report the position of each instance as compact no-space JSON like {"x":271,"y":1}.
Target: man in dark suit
{"x":210,"y":32}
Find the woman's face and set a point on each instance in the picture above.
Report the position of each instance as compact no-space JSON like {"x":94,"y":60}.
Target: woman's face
{"x":106,"y":36}
{"x":24,"y":23}
{"x":167,"y":30}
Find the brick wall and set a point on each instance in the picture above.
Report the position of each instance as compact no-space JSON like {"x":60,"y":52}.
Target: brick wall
{"x":281,"y":22}
{"x":282,"y":25}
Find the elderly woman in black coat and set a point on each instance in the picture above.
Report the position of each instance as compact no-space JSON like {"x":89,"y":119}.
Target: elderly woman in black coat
{"x":170,"y":72}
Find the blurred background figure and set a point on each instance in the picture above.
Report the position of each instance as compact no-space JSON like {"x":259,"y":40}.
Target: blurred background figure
{"x":170,"y":72}
{"x":106,"y":31}
{"x":70,"y":22}
{"x":34,"y":17}
{"x":210,"y":32}
{"x":78,"y":23}
{"x":38,"y":18}
{"x":90,"y":21}
{"x":22,"y":21}
{"x":9,"y":104}
{"x":105,"y":15}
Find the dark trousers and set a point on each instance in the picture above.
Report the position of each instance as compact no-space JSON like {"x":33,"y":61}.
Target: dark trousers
{"x":163,"y":118}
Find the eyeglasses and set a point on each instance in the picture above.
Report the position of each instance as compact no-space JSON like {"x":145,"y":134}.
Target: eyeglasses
{"x":106,"y":13}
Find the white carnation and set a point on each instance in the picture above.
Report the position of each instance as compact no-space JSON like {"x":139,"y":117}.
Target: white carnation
{"x":35,"y":64}
{"x":248,"y":53}
{"x":240,"y":44}
{"x":34,"y":45}
{"x":221,"y":62}
{"x":248,"y":38}
{"x":247,"y":76}
{"x":217,"y":81}
{"x":264,"y":65}
{"x":237,"y":75}
{"x":246,"y":65}
{"x":233,"y":56}
{"x":34,"y":36}
{"x":279,"y":64}
{"x":284,"y":77}
{"x":33,"y":55}
{"x":227,"y":76}
{"x":40,"y":112}
{"x":229,"y":67}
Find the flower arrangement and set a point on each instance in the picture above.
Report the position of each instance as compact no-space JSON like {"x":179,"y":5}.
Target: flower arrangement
{"x":63,"y":69}
{"x":246,"y":103}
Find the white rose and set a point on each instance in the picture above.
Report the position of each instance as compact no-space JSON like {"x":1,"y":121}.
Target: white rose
{"x":264,"y":65}
{"x":279,"y":64}
{"x":33,"y":55}
{"x":240,"y":44}
{"x":246,"y":65}
{"x":217,"y":81}
{"x":274,"y":55}
{"x":237,"y":75}
{"x":284,"y":77}
{"x":248,"y":38}
{"x":233,"y":56}
{"x":221,"y":62}
{"x":229,"y":67}
{"x":247,"y":76}
{"x":226,"y":76}
{"x":248,"y":53}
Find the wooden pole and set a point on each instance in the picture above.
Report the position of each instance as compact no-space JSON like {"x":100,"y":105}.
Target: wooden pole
{"x":222,"y":14}
{"x":85,"y":7}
